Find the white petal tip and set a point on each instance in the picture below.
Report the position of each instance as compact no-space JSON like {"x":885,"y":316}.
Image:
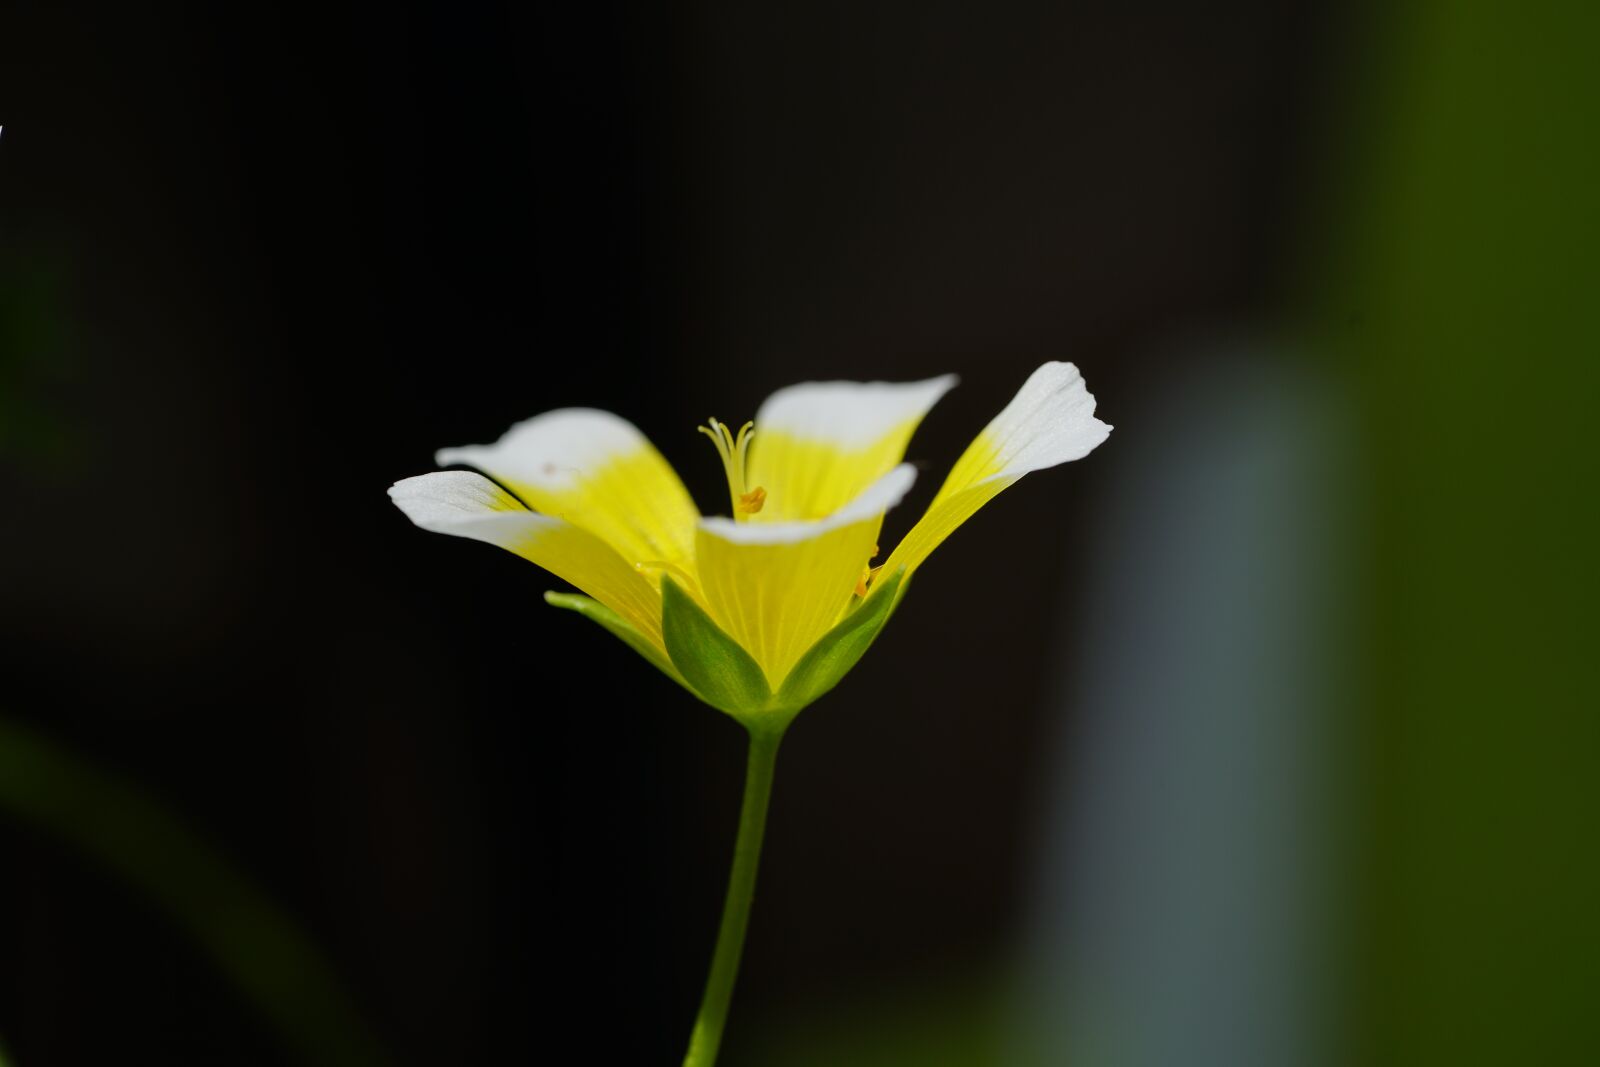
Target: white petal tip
{"x":1050,"y":421}
{"x":551,"y":450}
{"x":449,"y":498}
{"x":849,"y":413}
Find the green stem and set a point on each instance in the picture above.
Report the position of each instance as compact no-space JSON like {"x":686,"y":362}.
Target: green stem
{"x":707,"y":1036}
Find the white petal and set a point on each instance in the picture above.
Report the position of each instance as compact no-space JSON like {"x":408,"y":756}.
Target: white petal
{"x":597,"y":471}
{"x":469,"y":505}
{"x":552,"y":450}
{"x":876,"y":499}
{"x":819,"y":445}
{"x":849,"y":414}
{"x":1050,"y":421}
{"x":457,"y":502}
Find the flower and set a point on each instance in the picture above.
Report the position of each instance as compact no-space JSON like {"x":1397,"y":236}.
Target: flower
{"x":759,"y":613}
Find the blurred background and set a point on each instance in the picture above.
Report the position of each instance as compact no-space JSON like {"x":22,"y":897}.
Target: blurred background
{"x":1266,"y":735}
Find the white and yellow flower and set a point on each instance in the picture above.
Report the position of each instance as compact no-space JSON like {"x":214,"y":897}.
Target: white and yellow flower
{"x":762,"y":612}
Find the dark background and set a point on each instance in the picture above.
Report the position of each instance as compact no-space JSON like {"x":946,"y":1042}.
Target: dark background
{"x":260,"y":261}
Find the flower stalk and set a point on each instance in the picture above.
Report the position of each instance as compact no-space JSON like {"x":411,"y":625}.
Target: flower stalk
{"x":706,"y":1038}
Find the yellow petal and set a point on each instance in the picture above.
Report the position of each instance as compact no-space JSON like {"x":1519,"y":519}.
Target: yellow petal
{"x":778,"y":587}
{"x":469,"y":505}
{"x":598,"y":472}
{"x":819,"y":445}
{"x":1050,"y":421}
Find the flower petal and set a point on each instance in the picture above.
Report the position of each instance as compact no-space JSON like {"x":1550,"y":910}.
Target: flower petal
{"x":778,"y":587}
{"x":830,"y":659}
{"x":469,"y":505}
{"x":1050,"y":421}
{"x":818,"y":445}
{"x":597,"y":471}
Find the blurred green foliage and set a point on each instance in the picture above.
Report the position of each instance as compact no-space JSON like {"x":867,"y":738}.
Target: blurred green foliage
{"x":959,"y":1023}
{"x":37,"y":362}
{"x":252,"y":941}
{"x":1463,"y":294}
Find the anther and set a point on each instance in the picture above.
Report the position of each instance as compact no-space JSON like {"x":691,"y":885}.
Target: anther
{"x":868,"y":572}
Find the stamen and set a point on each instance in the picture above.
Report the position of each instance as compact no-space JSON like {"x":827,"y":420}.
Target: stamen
{"x":733,"y":451}
{"x":868,"y":573}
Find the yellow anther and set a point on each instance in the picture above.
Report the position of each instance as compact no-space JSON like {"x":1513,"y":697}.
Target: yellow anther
{"x":867,"y":573}
{"x":733,"y":450}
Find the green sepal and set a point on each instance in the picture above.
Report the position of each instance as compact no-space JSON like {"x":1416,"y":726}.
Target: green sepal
{"x":836,"y":651}
{"x":595,"y":611}
{"x":721,"y":672}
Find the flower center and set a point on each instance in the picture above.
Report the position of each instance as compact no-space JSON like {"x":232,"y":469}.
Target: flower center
{"x":733,"y":449}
